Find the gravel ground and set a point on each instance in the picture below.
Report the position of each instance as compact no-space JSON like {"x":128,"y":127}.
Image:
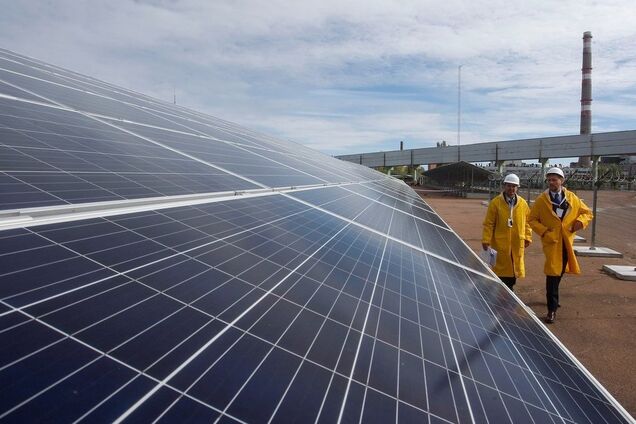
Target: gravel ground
{"x":597,"y":318}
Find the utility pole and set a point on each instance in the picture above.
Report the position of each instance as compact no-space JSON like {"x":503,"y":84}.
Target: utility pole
{"x":459,"y":111}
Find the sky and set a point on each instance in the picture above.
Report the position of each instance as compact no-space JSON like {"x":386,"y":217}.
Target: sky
{"x":351,"y":76}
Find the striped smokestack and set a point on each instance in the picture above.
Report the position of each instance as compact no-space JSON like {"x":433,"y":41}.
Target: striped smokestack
{"x":586,"y":92}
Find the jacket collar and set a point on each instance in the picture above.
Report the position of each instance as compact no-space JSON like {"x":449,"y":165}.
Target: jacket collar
{"x":545,"y":196}
{"x":564,"y":191}
{"x":505,"y":199}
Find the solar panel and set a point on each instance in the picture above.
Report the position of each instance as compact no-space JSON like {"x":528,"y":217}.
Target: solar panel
{"x":292,"y":288}
{"x":52,"y":156}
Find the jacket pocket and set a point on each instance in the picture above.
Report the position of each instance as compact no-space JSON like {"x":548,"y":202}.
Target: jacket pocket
{"x":550,"y":237}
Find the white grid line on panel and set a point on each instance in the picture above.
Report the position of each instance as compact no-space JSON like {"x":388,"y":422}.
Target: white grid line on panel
{"x":419,"y":323}
{"x":96,"y":153}
{"x":399,"y":210}
{"x":20,"y":171}
{"x":61,"y":380}
{"x":274,"y":345}
{"x":72,"y":174}
{"x":233,"y":131}
{"x":564,"y":349}
{"x":459,"y":372}
{"x":99,"y":117}
{"x":79,"y":211}
{"x":281,"y":298}
{"x":350,"y":328}
{"x":314,"y":339}
{"x":492,"y":276}
{"x":230,"y":325}
{"x":146,"y":329}
{"x":493,"y":334}
{"x":102,"y":354}
{"x":389,"y":237}
{"x":366,"y":320}
{"x":31,"y":185}
{"x":482,"y":352}
{"x":123,"y":273}
{"x":389,"y":193}
{"x":494,"y":388}
{"x":208,"y":137}
{"x":515,"y":346}
{"x":37,"y":266}
{"x":188,"y":258}
{"x":106,"y":399}
{"x":37,"y":133}
{"x":439,"y":333}
{"x":123,"y":175}
{"x":326,"y":316}
{"x":92,"y":116}
{"x":462,"y":346}
{"x":384,"y":184}
{"x":375,"y":339}
{"x":463,"y":320}
{"x":9,"y":97}
{"x":399,"y":343}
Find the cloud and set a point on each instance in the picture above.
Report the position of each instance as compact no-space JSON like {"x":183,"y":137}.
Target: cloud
{"x":344,"y":76}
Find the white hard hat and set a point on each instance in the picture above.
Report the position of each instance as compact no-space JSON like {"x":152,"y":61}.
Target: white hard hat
{"x":511,"y":179}
{"x":556,"y":171}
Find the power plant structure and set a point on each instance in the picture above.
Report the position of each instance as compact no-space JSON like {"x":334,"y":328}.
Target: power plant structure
{"x":615,"y":147}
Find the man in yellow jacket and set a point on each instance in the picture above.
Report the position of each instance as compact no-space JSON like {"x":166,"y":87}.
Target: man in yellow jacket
{"x":506,"y":230}
{"x":556,"y":215}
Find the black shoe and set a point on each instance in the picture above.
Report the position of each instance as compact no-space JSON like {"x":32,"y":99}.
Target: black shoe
{"x":550,"y":317}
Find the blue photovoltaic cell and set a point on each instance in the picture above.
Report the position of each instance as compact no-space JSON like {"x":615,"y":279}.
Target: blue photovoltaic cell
{"x":404,"y":225}
{"x":399,"y":190}
{"x":50,"y":157}
{"x":9,"y":90}
{"x":348,"y":303}
{"x":407,"y":205}
{"x":53,"y":92}
{"x":234,"y":158}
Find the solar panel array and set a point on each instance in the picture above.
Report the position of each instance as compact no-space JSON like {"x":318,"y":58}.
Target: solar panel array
{"x":312,"y":290}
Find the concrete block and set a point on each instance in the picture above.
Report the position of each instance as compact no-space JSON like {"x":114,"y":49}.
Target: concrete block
{"x":624,"y":272}
{"x":601,"y":252}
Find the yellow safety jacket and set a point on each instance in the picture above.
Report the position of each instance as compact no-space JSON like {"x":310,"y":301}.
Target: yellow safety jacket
{"x":507,"y":241}
{"x":556,"y":234}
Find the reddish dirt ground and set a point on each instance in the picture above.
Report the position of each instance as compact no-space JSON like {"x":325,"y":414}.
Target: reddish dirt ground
{"x":597,"y":320}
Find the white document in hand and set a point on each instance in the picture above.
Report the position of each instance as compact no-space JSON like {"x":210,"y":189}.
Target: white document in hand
{"x":493,"y":257}
{"x":489,"y":256}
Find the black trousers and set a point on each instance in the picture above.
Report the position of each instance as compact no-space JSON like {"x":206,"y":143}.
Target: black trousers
{"x":552,"y":284}
{"x":509,"y":281}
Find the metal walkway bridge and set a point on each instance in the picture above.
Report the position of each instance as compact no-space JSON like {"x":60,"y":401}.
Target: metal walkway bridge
{"x":593,"y":145}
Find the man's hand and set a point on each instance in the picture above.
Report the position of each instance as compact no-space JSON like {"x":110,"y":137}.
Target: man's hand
{"x":576,"y":226}
{"x":550,"y":236}
{"x":485,"y":246}
{"x":526,"y":243}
